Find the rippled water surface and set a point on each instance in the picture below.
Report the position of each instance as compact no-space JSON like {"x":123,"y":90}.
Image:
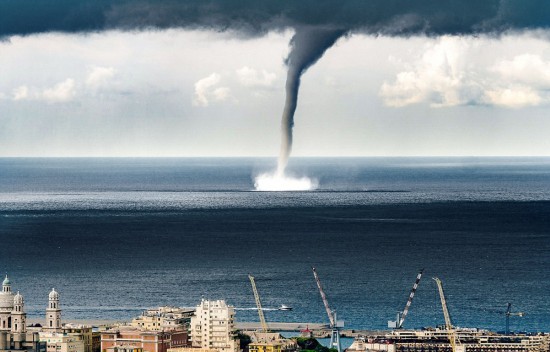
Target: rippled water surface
{"x":116,"y":236}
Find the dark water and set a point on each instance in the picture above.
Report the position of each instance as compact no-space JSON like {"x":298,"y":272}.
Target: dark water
{"x":115,"y":236}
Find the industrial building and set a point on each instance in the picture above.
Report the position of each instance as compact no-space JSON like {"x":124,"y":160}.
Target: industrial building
{"x":437,"y":340}
{"x":448,"y":338}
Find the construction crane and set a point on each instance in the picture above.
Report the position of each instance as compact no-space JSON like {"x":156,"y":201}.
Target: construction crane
{"x":509,"y":314}
{"x":258,"y":304}
{"x":398,"y":323}
{"x":453,"y":339}
{"x":335,"y":325}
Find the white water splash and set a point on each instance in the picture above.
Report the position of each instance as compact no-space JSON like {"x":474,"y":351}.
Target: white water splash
{"x":276,"y":182}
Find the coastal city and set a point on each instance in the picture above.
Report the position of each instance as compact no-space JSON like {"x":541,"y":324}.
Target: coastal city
{"x":212,"y":326}
{"x":171,"y":170}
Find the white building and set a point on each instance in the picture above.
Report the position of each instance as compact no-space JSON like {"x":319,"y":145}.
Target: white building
{"x":60,"y":342}
{"x":213,"y":326}
{"x":164,"y":318}
{"x":53,"y":313}
{"x":12,"y":316}
{"x":13,"y":329}
{"x":52,"y":333}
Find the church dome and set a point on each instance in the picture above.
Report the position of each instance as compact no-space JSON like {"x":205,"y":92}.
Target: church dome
{"x":6,"y":297}
{"x":53,"y":296}
{"x":18,"y":299}
{"x":6,"y":301}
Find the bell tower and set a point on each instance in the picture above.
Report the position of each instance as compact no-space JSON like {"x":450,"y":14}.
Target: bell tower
{"x":6,"y":306}
{"x":53,"y":313}
{"x":19,"y":317}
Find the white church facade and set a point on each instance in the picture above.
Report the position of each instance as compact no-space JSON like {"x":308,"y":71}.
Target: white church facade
{"x":14,"y":335}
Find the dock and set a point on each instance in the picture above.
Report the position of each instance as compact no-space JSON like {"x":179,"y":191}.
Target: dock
{"x":280,"y":326}
{"x":318,"y":330}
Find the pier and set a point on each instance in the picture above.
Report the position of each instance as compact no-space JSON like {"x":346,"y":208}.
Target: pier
{"x":318,"y":330}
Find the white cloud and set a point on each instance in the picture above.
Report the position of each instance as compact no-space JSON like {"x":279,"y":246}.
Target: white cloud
{"x":21,"y":93}
{"x":250,"y":77}
{"x":99,"y":76}
{"x":514,"y":97}
{"x":441,"y":77}
{"x":66,"y":90}
{"x":61,"y":92}
{"x":525,"y":68}
{"x":207,"y":89}
{"x":445,"y":75}
{"x":221,"y":93}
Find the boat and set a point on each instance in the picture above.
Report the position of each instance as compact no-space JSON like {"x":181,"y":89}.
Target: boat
{"x":283,"y":307}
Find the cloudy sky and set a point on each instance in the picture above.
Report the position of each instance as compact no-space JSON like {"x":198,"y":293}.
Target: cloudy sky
{"x":198,"y":92}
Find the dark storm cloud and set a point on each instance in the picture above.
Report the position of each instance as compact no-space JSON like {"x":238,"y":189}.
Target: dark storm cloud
{"x":254,"y":17}
{"x":317,"y":23}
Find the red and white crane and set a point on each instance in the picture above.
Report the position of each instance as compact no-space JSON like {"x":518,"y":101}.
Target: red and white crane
{"x":398,"y":323}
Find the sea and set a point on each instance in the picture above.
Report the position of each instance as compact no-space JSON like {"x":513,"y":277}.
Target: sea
{"x":116,"y":236}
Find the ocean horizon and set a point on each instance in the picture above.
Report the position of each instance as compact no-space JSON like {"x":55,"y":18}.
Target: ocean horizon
{"x":118,"y":235}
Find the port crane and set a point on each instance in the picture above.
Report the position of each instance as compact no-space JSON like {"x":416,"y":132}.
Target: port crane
{"x":335,"y":324}
{"x":398,"y":323}
{"x":453,"y":338}
{"x":509,"y":314}
{"x":258,"y":304}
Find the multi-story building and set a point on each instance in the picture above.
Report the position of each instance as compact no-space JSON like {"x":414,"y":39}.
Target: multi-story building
{"x":164,"y":318}
{"x":191,"y":349}
{"x":265,"y":347}
{"x":213,"y":326}
{"x":59,"y":342}
{"x":271,"y":342}
{"x":149,"y":341}
{"x":13,"y":328}
{"x":84,"y":330}
{"x":96,"y":341}
{"x":126,"y":348}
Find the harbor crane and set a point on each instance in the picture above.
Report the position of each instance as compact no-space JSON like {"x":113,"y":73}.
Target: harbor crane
{"x":398,"y":323}
{"x":335,"y":324}
{"x":258,"y":304}
{"x":453,"y":338}
{"x":509,"y":314}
